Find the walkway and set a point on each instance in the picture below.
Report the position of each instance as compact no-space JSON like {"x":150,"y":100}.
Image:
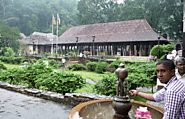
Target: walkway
{"x":15,"y":105}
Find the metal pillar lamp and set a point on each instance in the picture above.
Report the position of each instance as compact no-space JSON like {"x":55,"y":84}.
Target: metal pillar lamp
{"x":159,"y":36}
{"x":33,"y":44}
{"x":77,"y":45}
{"x":93,"y":38}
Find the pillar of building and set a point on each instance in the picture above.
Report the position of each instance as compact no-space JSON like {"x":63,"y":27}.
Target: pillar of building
{"x":141,"y":50}
{"x":65,"y":52}
{"x":97,"y":49}
{"x":123,"y":50}
{"x":131,"y":49}
{"x":68,"y":49}
{"x":112,"y":50}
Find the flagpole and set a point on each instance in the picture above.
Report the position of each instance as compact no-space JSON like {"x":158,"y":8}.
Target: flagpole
{"x":52,"y":37}
{"x":57,"y":34}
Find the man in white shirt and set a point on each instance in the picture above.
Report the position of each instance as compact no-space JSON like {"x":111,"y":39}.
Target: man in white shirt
{"x":63,"y":62}
{"x":180,"y":68}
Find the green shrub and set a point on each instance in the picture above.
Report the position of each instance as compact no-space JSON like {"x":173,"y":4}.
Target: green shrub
{"x":162,"y":57}
{"x":64,"y":82}
{"x":52,"y":62}
{"x":154,"y":51}
{"x":8,"y":52}
{"x":116,"y":63}
{"x":106,"y":86}
{"x":141,"y":74}
{"x":91,"y":65}
{"x":72,"y":53}
{"x":168,"y":47}
{"x":101,"y":67}
{"x":76,"y":66}
{"x":2,"y":66}
{"x":40,"y":77}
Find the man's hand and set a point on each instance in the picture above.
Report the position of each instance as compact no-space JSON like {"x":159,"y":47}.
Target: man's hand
{"x":133,"y":93}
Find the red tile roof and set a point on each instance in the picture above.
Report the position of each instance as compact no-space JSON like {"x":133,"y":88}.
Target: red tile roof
{"x":124,"y":31}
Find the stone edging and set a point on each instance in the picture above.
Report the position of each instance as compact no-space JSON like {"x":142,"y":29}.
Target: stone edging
{"x":69,"y":98}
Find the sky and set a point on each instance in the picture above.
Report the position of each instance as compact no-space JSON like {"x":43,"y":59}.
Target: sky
{"x":120,"y":1}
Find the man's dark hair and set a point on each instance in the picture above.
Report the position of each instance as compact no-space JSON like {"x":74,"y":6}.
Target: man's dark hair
{"x":168,"y":63}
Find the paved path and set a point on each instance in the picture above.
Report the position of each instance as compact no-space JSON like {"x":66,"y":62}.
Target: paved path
{"x":14,"y":105}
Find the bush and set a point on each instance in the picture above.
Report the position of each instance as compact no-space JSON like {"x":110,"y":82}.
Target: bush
{"x":76,"y":66}
{"x":40,"y":77}
{"x":101,"y":67}
{"x":64,"y":82}
{"x":154,"y":51}
{"x":8,"y":52}
{"x":141,"y":74}
{"x":91,"y":65}
{"x":2,"y":66}
{"x":116,"y":63}
{"x":168,"y":47}
{"x":106,"y":86}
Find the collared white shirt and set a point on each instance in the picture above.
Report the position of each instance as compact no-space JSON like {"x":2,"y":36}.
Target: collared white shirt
{"x":181,"y":78}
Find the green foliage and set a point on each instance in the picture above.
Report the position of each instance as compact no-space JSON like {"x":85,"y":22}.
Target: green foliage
{"x":101,"y":67}
{"x":31,"y":15}
{"x":8,"y":52}
{"x":116,"y":63}
{"x":168,"y":47}
{"x":64,"y":82}
{"x":76,"y":66}
{"x":106,"y":85}
{"x":9,"y":35}
{"x":14,"y":60}
{"x":162,"y":48}
{"x":141,"y":74}
{"x":91,"y":65}
{"x":53,"y":63}
{"x":154,"y":51}
{"x":38,"y":76}
{"x":166,"y":19}
{"x":2,"y":67}
{"x":72,"y":53}
{"x":46,"y":54}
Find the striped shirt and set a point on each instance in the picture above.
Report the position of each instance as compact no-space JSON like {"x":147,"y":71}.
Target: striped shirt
{"x":173,"y":94}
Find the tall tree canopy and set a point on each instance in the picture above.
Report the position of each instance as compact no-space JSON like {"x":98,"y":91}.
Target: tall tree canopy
{"x":36,"y":15}
{"x":164,"y":15}
{"x":9,"y":36}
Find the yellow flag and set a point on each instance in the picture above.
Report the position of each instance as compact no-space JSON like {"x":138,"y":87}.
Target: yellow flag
{"x":53,"y":20}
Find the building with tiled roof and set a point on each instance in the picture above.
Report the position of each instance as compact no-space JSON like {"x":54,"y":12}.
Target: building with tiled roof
{"x":128,"y":36}
{"x":134,"y":37}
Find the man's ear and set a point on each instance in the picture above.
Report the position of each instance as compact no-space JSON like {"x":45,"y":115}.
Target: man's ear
{"x":173,"y":71}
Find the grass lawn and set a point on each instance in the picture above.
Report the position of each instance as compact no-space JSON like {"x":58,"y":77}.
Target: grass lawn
{"x":86,"y":88}
{"x":11,"y":66}
{"x":139,"y":98}
{"x":89,"y":74}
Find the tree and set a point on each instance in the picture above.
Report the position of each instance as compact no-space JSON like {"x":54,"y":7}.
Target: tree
{"x":97,"y":11}
{"x":9,"y":35}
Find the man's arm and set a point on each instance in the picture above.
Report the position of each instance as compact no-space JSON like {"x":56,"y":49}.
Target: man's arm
{"x":143,"y":95}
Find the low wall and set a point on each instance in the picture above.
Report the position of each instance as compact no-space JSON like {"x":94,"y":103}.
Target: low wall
{"x":69,"y":98}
